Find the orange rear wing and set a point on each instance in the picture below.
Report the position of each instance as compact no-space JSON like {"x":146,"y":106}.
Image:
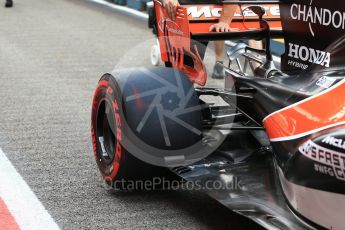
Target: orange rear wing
{"x":245,"y":23}
{"x":194,"y":21}
{"x":201,"y":16}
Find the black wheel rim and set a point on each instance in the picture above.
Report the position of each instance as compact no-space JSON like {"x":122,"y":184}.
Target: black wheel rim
{"x":106,"y":132}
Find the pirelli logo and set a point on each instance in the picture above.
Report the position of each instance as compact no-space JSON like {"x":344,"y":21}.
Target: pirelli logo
{"x":319,"y":154}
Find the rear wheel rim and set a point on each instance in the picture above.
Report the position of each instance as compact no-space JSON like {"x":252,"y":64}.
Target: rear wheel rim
{"x":106,"y":132}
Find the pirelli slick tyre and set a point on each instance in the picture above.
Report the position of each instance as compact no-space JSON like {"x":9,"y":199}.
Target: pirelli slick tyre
{"x":155,"y":55}
{"x":113,"y":116}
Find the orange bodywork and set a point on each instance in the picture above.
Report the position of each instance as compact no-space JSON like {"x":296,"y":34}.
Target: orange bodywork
{"x":313,"y":114}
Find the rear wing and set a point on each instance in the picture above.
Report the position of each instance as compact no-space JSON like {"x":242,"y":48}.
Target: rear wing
{"x":245,"y":24}
{"x":193,"y":22}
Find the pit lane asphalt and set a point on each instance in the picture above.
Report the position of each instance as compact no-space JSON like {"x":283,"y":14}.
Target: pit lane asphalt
{"x":52,"y":54}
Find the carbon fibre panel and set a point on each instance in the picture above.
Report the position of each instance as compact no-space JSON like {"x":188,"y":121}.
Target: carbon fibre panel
{"x":250,"y":188}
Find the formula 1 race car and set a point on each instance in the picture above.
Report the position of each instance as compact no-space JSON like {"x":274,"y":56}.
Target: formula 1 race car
{"x":280,"y":132}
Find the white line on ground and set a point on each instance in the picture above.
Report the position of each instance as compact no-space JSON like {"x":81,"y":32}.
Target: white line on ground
{"x":122,"y":8}
{"x":24,"y":206}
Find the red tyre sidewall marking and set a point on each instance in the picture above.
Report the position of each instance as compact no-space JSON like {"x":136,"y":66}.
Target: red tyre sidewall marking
{"x":95,"y":102}
{"x":104,"y":88}
{"x":7,"y":221}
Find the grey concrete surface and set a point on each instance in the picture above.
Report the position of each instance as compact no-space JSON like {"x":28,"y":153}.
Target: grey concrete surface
{"x":52,"y":54}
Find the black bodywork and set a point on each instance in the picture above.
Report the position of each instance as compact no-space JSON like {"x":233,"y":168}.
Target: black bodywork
{"x":314,"y":50}
{"x":258,"y":96}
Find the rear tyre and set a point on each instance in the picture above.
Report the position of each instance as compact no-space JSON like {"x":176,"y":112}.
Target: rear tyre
{"x":155,"y":55}
{"x":118,"y":167}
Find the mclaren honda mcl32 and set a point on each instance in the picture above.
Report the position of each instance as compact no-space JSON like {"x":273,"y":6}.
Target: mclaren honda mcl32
{"x":279,"y":131}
